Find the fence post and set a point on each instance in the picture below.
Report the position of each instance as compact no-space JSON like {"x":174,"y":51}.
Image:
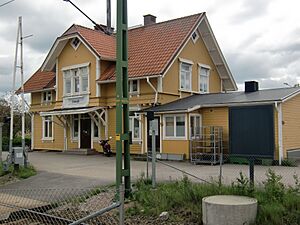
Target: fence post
{"x":153,"y":159}
{"x":121,"y":207}
{"x":1,"y":124}
{"x":221,"y":169}
{"x":251,"y":171}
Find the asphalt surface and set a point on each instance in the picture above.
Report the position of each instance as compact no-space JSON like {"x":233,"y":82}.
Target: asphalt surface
{"x":57,"y":170}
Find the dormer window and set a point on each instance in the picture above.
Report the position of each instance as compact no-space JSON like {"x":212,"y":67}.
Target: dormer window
{"x":75,"y":42}
{"x":195,"y":36}
{"x":46,"y":97}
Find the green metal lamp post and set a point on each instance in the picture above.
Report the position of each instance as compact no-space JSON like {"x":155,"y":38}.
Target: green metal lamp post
{"x":122,"y":100}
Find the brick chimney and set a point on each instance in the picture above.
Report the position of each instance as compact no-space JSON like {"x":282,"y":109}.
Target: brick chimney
{"x":251,"y":86}
{"x":149,"y":19}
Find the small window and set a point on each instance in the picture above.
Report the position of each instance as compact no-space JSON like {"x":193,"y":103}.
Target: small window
{"x":195,"y":126}
{"x":46,"y":96}
{"x":195,"y":36}
{"x":134,"y":87}
{"x":135,"y":127}
{"x":203,"y":79}
{"x":75,"y":126}
{"x":186,"y":76}
{"x":47,"y":128}
{"x":75,"y":43}
{"x":96,"y":130}
{"x":175,"y":126}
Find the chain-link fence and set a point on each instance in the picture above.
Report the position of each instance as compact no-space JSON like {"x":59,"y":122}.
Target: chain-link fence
{"x":62,"y":206}
{"x":226,"y":170}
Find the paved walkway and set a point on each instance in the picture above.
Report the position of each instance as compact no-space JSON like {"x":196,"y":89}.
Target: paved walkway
{"x":57,"y":170}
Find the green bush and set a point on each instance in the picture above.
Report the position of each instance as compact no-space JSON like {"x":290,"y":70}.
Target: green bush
{"x":17,"y":142}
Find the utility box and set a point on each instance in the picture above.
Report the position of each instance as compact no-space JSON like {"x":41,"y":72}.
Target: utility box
{"x":18,"y":156}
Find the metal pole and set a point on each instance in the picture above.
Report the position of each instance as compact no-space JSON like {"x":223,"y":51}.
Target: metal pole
{"x":22,"y":92}
{"x":153,"y":159}
{"x":147,"y":170}
{"x":121,"y":207}
{"x":251,"y":171}
{"x":122,"y":100}
{"x":1,"y":125}
{"x":11,"y":136}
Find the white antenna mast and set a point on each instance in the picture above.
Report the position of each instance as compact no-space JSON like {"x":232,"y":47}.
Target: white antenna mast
{"x":19,"y":41}
{"x":13,"y":95}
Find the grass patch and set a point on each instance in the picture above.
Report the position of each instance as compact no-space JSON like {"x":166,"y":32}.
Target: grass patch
{"x":21,"y":173}
{"x":278,"y":204}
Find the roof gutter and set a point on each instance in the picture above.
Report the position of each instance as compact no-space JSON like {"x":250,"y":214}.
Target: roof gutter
{"x":134,"y":78}
{"x":155,"y":90}
{"x":217,"y":105}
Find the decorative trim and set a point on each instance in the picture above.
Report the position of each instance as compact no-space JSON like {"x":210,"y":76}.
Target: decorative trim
{"x":75,"y":66}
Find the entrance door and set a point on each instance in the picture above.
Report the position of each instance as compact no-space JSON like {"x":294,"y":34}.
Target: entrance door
{"x":156,"y":123}
{"x":85,"y":133}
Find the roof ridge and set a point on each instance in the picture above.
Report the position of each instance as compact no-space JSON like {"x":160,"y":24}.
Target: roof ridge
{"x":167,"y":21}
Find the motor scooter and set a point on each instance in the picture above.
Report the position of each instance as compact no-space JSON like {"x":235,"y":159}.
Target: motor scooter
{"x":106,"y":147}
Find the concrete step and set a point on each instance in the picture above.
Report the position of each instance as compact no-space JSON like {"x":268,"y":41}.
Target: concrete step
{"x":80,"y":151}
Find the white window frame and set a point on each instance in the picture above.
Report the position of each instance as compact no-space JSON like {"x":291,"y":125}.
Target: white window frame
{"x":72,"y":77}
{"x":72,"y":44}
{"x":43,"y":127}
{"x":190,"y":64}
{"x":175,"y":137}
{"x":47,"y":101}
{"x":131,"y":121}
{"x":72,"y":128}
{"x":93,"y":131}
{"x":190,"y":123}
{"x":199,"y":77}
{"x":130,"y":87}
{"x":196,"y":38}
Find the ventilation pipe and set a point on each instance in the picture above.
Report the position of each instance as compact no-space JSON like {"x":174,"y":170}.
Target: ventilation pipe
{"x":108,"y":17}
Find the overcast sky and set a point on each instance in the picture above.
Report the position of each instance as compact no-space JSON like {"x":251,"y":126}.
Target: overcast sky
{"x":259,"y":38}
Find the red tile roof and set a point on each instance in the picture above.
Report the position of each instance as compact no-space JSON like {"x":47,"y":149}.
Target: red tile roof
{"x":103,"y":44}
{"x":151,"y":48}
{"x":40,"y":80}
{"x":109,"y":74}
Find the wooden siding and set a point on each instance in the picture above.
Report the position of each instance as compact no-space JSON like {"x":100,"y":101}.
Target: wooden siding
{"x":291,"y":124}
{"x":197,"y":53}
{"x":176,"y":147}
{"x":217,"y":117}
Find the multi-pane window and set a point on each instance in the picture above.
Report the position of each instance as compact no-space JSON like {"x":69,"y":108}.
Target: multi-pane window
{"x":135,"y":127}
{"x":185,"y":76}
{"x":203,"y":79}
{"x":75,"y":130}
{"x":175,"y":126}
{"x":134,"y":87}
{"x":76,"y":81}
{"x":195,"y":126}
{"x":47,"y":127}
{"x":46,"y":96}
{"x":75,"y":43}
{"x":195,"y":36}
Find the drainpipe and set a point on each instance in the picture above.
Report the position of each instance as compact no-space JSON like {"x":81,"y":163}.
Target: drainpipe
{"x":280,"y":143}
{"x":156,"y":92}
